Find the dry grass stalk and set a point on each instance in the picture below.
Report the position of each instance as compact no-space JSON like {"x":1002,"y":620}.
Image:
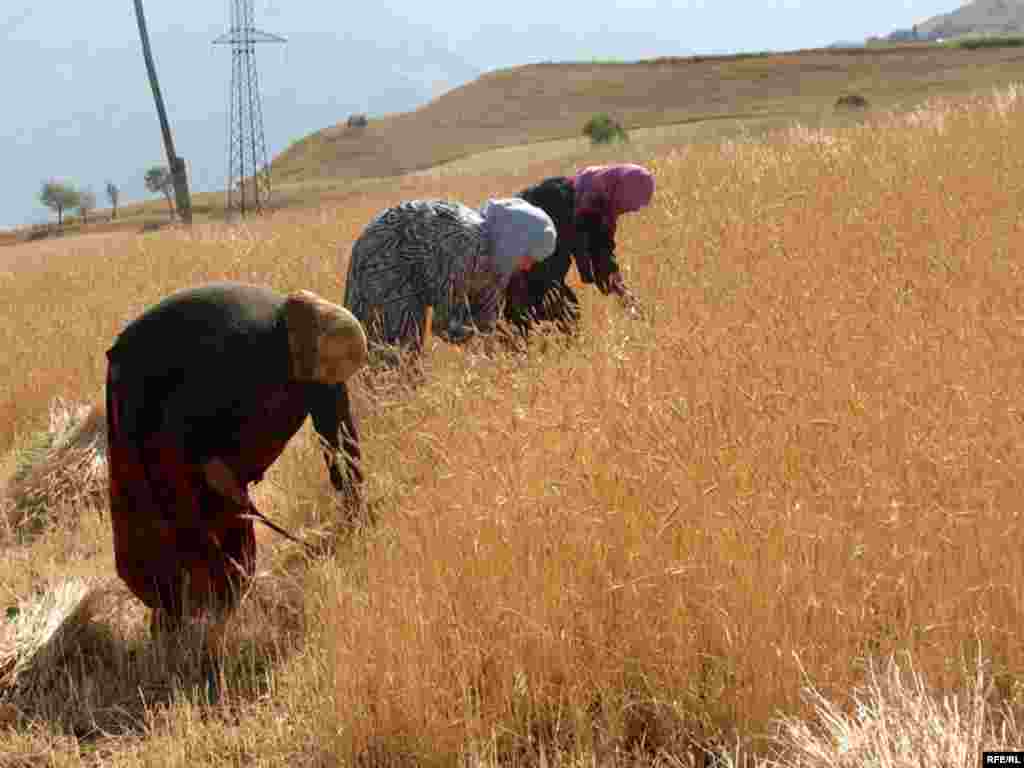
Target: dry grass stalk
{"x":895,"y":720}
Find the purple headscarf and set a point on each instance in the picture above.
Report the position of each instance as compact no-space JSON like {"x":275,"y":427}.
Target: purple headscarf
{"x":612,"y":190}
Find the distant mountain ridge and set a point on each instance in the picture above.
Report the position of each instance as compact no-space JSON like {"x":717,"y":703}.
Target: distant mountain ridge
{"x":981,"y":17}
{"x":978,"y":18}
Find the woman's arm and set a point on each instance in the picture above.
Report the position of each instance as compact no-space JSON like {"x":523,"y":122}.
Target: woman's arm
{"x":334,"y":421}
{"x":595,"y":250}
{"x":470,"y":293}
{"x":484,"y":302}
{"x":596,"y":262}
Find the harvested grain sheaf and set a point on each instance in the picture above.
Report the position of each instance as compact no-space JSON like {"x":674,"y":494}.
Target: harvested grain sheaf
{"x":65,"y":466}
{"x":79,"y":654}
{"x":43,"y":631}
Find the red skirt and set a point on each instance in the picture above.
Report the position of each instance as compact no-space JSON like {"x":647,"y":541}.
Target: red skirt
{"x":180,"y":546}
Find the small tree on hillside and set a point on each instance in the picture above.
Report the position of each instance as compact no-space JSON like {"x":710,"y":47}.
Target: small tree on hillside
{"x":58,"y":197}
{"x":159,"y":180}
{"x":113,"y":195}
{"x":602,"y":129}
{"x":86,"y":204}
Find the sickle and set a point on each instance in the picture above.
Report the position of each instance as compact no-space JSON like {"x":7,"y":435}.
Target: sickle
{"x":255,"y":514}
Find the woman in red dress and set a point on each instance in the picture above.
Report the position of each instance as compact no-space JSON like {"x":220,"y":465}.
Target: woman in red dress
{"x":204,"y":391}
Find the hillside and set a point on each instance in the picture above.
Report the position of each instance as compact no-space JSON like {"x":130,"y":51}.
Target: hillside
{"x":981,"y":17}
{"x":549,"y":101}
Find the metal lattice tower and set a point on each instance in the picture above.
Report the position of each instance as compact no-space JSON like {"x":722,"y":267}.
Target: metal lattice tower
{"x":248,"y":170}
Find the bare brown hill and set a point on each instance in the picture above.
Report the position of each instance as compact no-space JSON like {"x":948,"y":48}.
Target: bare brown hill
{"x":549,"y":101}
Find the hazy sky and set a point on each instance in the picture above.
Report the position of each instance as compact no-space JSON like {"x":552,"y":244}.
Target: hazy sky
{"x":77,"y":104}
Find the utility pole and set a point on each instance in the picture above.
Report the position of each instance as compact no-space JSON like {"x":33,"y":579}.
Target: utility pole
{"x":176,"y":164}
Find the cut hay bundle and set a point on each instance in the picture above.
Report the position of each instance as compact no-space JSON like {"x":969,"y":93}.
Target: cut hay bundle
{"x":39,"y":635}
{"x":65,"y":465}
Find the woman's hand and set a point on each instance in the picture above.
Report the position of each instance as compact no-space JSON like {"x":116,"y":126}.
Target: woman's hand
{"x":460,"y":333}
{"x":616,"y":284}
{"x":629,"y":300}
{"x":345,"y":482}
{"x":223,"y":481}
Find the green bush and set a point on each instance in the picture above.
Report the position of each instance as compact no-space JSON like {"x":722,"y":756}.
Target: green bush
{"x":602,"y":129}
{"x":852,"y":101}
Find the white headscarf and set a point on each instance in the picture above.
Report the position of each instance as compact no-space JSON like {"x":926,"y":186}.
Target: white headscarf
{"x":516,"y":229}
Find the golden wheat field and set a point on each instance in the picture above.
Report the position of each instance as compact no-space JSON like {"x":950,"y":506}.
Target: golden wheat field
{"x":779,"y":518}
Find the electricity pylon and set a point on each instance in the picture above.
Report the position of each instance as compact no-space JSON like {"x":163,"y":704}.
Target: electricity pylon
{"x":248,"y":169}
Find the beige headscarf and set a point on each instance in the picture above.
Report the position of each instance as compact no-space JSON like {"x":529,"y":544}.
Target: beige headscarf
{"x":326,"y":341}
